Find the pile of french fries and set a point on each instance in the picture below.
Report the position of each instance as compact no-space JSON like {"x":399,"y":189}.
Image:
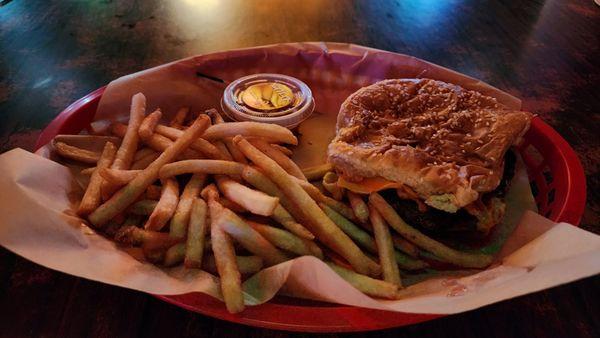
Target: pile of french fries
{"x":225,"y":197}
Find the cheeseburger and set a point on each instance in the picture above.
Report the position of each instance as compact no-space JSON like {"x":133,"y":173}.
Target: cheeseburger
{"x":439,"y":153}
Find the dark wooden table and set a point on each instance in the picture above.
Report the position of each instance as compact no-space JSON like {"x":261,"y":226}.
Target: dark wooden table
{"x":53,"y":52}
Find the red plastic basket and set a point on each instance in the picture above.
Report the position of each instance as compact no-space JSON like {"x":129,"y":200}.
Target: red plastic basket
{"x":556,"y":177}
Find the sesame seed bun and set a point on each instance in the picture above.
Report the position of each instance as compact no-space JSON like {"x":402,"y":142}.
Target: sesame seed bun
{"x":442,"y":141}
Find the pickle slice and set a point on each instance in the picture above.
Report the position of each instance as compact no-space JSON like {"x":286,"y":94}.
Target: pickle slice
{"x":268,"y":96}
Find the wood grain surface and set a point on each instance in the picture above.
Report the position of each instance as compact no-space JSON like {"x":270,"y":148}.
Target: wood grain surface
{"x":54,"y":52}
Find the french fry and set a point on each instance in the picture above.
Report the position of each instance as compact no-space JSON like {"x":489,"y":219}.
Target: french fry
{"x":272,"y":132}
{"x":405,"y":246}
{"x":149,"y":123}
{"x":407,"y":262}
{"x":443,"y":252}
{"x":318,"y":196}
{"x":208,"y":242}
{"x":367,"y":285}
{"x":89,"y":171}
{"x":236,"y":154}
{"x":92,"y":197}
{"x":94,"y":143}
{"x":280,"y":214}
{"x":358,"y":205}
{"x":153,"y":192}
{"x":118,"y":177}
{"x":285,"y":162}
{"x":399,"y":243}
{"x":214,"y":151}
{"x":77,"y":154}
{"x":201,"y":167}
{"x":144,"y":162}
{"x":231,"y":205}
{"x":365,"y":240}
{"x":128,"y":194}
{"x":194,"y":248}
{"x":174,"y":255}
{"x":156,"y":141}
{"x":238,"y":229}
{"x":357,"y":234}
{"x":252,"y":200}
{"x":161,"y":143}
{"x":223,"y":150}
{"x":285,"y":150}
{"x":317,"y":172}
{"x":143,"y":152}
{"x":330,"y":184}
{"x":249,"y":238}
{"x":143,"y":207}
{"x":385,"y":249}
{"x":338,"y":206}
{"x":287,"y":241}
{"x":200,"y":144}
{"x":284,"y":218}
{"x":210,"y":194}
{"x":149,"y":240}
{"x":259,"y":180}
{"x":181,"y":217}
{"x":225,"y":259}
{"x":319,"y":224}
{"x":245,"y":264}
{"x":165,"y":208}
{"x":128,"y":147}
{"x":179,"y":118}
{"x":216,"y":118}
{"x":231,"y":279}
{"x":232,"y":149}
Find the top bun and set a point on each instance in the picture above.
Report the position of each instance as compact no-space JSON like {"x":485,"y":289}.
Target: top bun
{"x":443,"y":141}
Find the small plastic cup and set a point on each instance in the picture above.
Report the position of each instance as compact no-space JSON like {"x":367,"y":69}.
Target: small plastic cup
{"x":301,"y":104}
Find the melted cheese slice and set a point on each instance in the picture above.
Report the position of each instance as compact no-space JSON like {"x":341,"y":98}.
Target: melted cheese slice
{"x":368,"y":185}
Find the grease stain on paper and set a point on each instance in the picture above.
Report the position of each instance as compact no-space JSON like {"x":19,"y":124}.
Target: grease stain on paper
{"x":456,"y":287}
{"x":458,"y":290}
